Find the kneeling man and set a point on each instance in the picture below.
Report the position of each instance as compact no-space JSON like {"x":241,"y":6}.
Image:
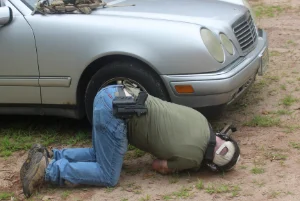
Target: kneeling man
{"x":178,"y":136}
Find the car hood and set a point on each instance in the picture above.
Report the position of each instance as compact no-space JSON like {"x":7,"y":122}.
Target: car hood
{"x":203,"y":12}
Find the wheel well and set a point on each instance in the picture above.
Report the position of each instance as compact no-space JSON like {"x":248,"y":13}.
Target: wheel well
{"x":91,"y":69}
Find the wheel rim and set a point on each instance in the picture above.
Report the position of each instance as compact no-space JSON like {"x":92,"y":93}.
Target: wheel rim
{"x":120,"y":81}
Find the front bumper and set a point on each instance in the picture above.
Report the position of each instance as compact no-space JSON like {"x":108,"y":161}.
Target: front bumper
{"x":223,"y":87}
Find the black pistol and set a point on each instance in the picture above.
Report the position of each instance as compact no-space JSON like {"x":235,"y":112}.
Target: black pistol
{"x":125,"y":107}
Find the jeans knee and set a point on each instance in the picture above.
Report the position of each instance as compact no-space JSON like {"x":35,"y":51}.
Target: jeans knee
{"x":112,"y":183}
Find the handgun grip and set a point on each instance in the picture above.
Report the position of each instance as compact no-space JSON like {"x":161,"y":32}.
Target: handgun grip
{"x":141,"y":98}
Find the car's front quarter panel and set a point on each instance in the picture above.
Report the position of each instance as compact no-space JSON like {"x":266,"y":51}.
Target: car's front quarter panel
{"x":67,"y":44}
{"x":223,"y":87}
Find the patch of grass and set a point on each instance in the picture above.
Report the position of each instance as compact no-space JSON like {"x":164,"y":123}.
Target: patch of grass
{"x":272,"y":92}
{"x":295,"y":145}
{"x":263,"y":121}
{"x":124,"y":199}
{"x":6,"y":195}
{"x":259,"y":85}
{"x":146,"y":198}
{"x":274,"y":194}
{"x":258,"y":183}
{"x":274,"y":53}
{"x":167,"y":197}
{"x":174,"y":179}
{"x":21,"y":136}
{"x":131,"y":147}
{"x":259,"y":162}
{"x":282,"y":163}
{"x":283,"y":112}
{"x":283,"y":87}
{"x":132,"y":187}
{"x":289,"y":193}
{"x":12,"y":142}
{"x":279,"y":156}
{"x":235,"y":191}
{"x":200,"y":185}
{"x":135,"y":152}
{"x":276,"y":156}
{"x":257,"y":170}
{"x":65,"y":194}
{"x":267,"y":11}
{"x":139,"y":153}
{"x":184,"y":193}
{"x":223,"y":188}
{"x":290,"y":128}
{"x":5,"y":153}
{"x":284,"y":75}
{"x":288,"y":100}
{"x":266,"y":81}
{"x":79,"y":137}
{"x":272,"y":78}
{"x":291,"y":42}
{"x":109,"y":189}
{"x":243,"y":167}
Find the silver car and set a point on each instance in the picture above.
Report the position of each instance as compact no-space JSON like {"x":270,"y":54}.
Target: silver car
{"x":197,"y":53}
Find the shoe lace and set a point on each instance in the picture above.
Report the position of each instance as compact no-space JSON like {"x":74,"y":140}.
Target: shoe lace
{"x":46,"y":153}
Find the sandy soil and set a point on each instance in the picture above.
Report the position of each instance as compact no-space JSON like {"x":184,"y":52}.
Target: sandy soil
{"x":268,"y":150}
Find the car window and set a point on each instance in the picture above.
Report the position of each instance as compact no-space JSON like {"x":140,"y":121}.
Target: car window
{"x":30,"y":3}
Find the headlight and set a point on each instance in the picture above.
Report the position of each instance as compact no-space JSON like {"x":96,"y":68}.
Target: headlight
{"x":212,"y":44}
{"x":227,"y":43}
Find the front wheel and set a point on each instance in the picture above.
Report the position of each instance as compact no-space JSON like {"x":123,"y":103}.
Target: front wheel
{"x":118,"y":71}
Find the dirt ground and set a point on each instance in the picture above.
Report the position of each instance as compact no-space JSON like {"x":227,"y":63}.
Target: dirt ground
{"x":268,"y":134}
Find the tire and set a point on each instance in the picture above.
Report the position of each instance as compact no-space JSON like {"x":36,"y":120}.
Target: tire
{"x":125,"y":69}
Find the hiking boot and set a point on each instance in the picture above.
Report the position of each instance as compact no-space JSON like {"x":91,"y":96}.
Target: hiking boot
{"x":34,"y":149}
{"x":39,"y":148}
{"x":33,"y":174}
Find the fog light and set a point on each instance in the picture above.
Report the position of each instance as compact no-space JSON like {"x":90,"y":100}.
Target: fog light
{"x":184,"y":89}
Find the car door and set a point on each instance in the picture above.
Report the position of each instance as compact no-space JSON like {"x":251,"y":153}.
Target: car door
{"x":19,"y":73}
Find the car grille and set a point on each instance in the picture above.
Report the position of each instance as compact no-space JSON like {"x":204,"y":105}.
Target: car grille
{"x":245,"y":32}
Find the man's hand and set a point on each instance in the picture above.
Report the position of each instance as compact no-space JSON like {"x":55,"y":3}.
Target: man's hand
{"x":161,"y":166}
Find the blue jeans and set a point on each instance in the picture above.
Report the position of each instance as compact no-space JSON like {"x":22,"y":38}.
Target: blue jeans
{"x":100,"y":165}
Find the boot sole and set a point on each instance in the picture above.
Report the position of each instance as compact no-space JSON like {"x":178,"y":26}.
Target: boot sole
{"x":26,"y":181}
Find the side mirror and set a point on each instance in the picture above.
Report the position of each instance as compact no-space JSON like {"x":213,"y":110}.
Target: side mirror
{"x":6,"y":15}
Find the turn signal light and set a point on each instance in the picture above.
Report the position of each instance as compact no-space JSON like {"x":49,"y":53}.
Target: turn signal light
{"x":184,"y":89}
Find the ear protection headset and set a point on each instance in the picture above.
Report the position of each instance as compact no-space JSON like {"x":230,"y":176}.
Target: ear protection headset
{"x":209,"y":155}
